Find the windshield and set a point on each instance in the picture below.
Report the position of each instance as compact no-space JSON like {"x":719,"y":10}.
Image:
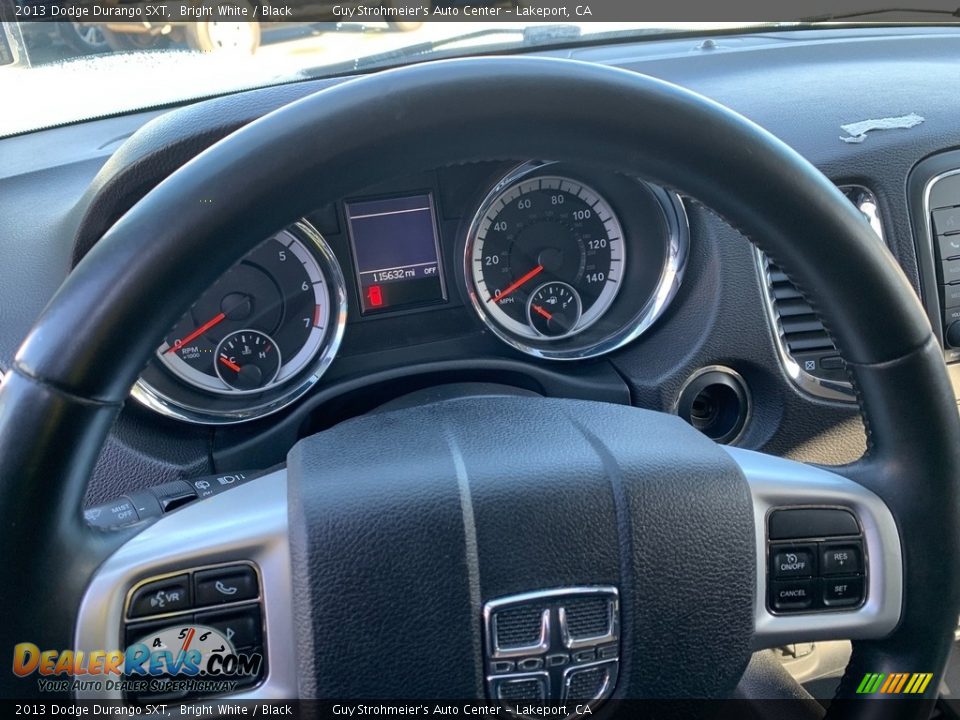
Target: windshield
{"x":58,"y":65}
{"x":60,"y":72}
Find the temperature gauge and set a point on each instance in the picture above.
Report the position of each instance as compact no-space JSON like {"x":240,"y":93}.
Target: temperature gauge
{"x":247,"y":360}
{"x":554,"y":309}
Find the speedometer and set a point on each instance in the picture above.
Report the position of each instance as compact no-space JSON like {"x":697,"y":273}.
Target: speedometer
{"x":564,"y":261}
{"x":543,"y":246}
{"x":257,"y":339}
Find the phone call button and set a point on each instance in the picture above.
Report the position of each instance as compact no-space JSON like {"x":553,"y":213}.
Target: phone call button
{"x":225,"y":585}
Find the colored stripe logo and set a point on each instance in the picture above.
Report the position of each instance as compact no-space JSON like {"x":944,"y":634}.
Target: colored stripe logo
{"x":894,"y":683}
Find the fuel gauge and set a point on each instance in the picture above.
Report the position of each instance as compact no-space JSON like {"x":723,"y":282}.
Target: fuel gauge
{"x":247,"y":360}
{"x":554,"y":309}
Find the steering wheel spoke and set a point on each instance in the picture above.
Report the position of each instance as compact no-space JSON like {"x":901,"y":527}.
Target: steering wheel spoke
{"x":829,"y":564}
{"x":232,"y":534}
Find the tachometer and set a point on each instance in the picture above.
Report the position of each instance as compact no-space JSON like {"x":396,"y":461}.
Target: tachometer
{"x":257,"y":338}
{"x":550,"y":236}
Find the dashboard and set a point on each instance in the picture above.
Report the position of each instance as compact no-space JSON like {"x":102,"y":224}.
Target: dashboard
{"x":506,"y":275}
{"x":558,"y":262}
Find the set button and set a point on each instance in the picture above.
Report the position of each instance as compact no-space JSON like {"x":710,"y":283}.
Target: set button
{"x":842,"y":591}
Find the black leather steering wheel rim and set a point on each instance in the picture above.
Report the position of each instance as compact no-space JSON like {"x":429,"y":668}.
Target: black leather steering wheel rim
{"x":69,"y":382}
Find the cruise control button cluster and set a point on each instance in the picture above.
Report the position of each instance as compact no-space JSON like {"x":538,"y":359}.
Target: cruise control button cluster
{"x":821,"y":567}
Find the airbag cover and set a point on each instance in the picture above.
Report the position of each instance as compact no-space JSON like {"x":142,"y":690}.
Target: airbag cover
{"x":404,"y":523}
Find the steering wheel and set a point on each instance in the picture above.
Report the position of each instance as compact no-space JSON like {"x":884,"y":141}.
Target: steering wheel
{"x":407,"y":536}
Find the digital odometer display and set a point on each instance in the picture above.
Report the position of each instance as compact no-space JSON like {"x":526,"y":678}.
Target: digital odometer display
{"x":396,"y":252}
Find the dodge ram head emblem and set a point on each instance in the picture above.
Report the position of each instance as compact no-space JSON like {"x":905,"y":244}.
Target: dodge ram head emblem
{"x":550,"y":645}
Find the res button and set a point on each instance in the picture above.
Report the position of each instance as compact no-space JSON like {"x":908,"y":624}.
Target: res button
{"x":841,"y":560}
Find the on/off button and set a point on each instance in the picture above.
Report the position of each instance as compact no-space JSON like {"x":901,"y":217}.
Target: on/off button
{"x":793,"y":562}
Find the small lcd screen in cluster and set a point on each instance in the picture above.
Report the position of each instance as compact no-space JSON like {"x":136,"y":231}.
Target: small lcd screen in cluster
{"x":396,"y":252}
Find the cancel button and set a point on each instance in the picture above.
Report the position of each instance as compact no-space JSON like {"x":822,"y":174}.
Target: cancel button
{"x":792,"y":594}
{"x":793,"y":562}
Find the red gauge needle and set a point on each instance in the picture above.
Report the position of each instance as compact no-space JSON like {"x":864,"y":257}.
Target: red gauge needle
{"x":513,"y":286}
{"x":540,"y":311}
{"x":229,"y":363}
{"x":187,"y":640}
{"x":196,"y":333}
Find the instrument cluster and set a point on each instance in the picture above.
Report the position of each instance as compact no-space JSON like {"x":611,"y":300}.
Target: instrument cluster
{"x":560,"y":262}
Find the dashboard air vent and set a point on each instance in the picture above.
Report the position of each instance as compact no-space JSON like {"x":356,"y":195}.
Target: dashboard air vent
{"x":808,"y":354}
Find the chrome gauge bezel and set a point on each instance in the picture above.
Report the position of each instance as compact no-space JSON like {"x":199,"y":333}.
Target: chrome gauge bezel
{"x":510,"y":192}
{"x":281,"y":396}
{"x":315,"y":341}
{"x":590,"y":344}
